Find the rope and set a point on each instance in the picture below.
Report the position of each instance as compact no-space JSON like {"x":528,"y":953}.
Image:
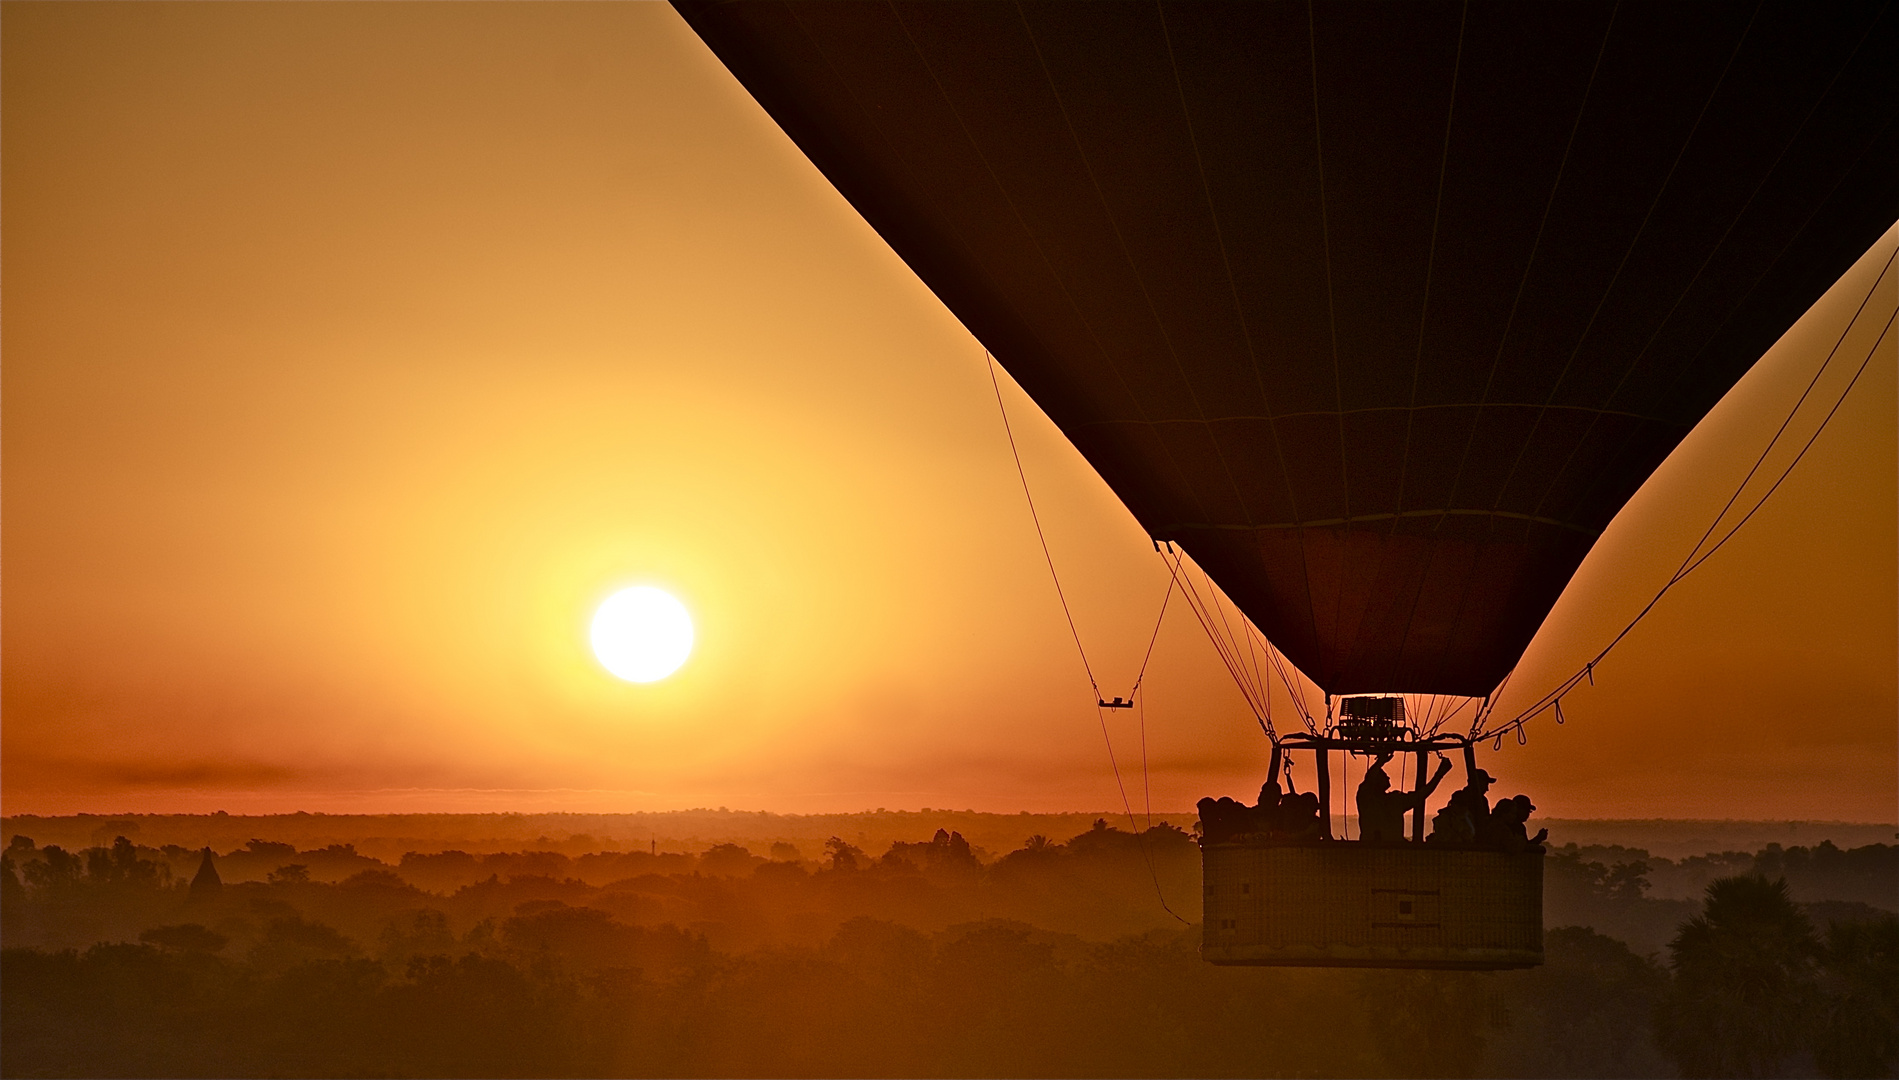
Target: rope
{"x":1253,"y":684}
{"x":1782,"y":430}
{"x":1252,"y":658}
{"x":1039,"y":534}
{"x":1101,"y":714}
{"x":1696,"y":557}
{"x":1219,"y":609}
{"x":1482,"y":715}
{"x":1296,"y":692}
{"x":1147,"y":789}
{"x":1149,"y":655}
{"x":1446,"y":712}
{"x":1256,"y":697}
{"x":1199,"y":609}
{"x":1128,"y":806}
{"x":1729,"y":535}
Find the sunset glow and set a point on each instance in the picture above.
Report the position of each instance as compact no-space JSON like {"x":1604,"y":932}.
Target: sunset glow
{"x":336,"y":406}
{"x":642,"y":634}
{"x":784,"y":539}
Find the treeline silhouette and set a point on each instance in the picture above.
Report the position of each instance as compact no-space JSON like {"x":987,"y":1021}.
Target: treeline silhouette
{"x":388,"y":836}
{"x":1054,"y":960}
{"x":1612,"y":888}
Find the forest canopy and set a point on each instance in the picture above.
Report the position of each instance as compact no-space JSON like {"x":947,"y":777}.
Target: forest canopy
{"x":931,"y":956}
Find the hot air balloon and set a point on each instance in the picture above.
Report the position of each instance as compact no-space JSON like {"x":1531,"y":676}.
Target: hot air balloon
{"x":1379,"y":312}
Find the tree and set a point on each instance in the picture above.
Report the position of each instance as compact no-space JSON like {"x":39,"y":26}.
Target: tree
{"x":120,"y":863}
{"x":12,"y":900}
{"x":843,"y":855}
{"x":730,"y":860}
{"x":1743,"y":991}
{"x":56,"y":868}
{"x":186,"y":937}
{"x":1856,"y":1031}
{"x":1584,"y":1011}
{"x":1431,"y":1023}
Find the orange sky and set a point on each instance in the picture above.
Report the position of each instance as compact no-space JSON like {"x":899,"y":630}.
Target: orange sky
{"x":352,"y":353}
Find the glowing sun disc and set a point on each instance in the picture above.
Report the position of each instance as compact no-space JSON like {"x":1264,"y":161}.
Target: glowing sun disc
{"x":641,"y":634}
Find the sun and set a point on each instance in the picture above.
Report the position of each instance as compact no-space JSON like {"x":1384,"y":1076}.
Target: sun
{"x":642,"y":634}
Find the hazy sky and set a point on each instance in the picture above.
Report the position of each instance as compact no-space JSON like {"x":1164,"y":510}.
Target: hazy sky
{"x":353,"y":353}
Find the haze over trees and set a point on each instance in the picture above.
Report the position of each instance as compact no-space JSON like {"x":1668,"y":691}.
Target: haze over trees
{"x":927,"y":956}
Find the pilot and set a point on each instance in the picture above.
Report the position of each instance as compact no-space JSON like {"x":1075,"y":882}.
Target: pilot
{"x":1381,"y":810}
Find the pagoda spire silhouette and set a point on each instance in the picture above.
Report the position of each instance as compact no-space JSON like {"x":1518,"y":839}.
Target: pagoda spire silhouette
{"x":206,"y":883}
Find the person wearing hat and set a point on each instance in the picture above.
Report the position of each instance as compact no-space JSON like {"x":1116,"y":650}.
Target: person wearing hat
{"x":1507,"y":829}
{"x":1381,"y":810}
{"x":1467,"y":816}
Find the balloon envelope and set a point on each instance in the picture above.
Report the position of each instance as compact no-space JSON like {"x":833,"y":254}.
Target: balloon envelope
{"x":1380,"y":311}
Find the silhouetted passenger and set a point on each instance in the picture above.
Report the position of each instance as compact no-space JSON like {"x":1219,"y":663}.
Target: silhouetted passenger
{"x":1223,"y":818}
{"x":1381,"y":810}
{"x":1291,"y":817}
{"x":1299,"y":817}
{"x":1507,"y":830}
{"x":1234,"y":813}
{"x":1503,"y":827}
{"x":1451,"y":825}
{"x":1467,"y":816}
{"x":1266,"y":813}
{"x":1209,"y":818}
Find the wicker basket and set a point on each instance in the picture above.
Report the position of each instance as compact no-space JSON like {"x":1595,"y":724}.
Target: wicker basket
{"x":1346,"y":904}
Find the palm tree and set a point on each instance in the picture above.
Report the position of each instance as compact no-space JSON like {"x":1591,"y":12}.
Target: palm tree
{"x":1857,"y":1033}
{"x":1743,"y":993}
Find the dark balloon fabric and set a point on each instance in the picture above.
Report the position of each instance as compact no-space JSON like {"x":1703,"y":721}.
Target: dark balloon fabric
{"x":1381,"y":311}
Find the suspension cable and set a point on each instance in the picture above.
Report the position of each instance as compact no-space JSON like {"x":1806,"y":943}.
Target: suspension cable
{"x":1225,"y":648}
{"x":1147,"y":786}
{"x":1696,"y":556}
{"x":996,"y":385}
{"x":1253,"y":682}
{"x":1295,"y":691}
{"x":1149,"y":655}
{"x":1140,"y":840}
{"x":1101,"y":708}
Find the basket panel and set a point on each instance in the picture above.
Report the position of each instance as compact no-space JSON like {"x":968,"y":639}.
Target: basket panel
{"x":1372,"y":905}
